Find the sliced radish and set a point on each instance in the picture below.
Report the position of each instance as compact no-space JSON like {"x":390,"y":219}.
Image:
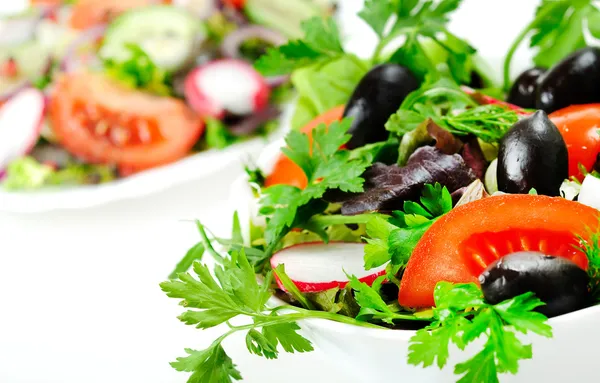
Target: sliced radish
{"x":21,"y":120}
{"x":316,"y":267}
{"x":226,"y":86}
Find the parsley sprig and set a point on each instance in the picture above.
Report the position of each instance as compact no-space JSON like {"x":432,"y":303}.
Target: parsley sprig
{"x":461,"y":316}
{"x":415,"y":20}
{"x":235,"y":293}
{"x":325,"y":166}
{"x":559,"y":28}
{"x":322,"y":42}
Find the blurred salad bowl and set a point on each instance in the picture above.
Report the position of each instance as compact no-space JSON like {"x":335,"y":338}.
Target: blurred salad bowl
{"x":93,"y":110}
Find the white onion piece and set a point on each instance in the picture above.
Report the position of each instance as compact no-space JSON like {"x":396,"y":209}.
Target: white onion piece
{"x":590,"y":192}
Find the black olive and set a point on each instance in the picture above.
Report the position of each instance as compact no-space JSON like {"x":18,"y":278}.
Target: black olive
{"x":533,"y":155}
{"x":524,"y":91}
{"x":377,"y":96}
{"x":556,"y":281}
{"x":476,"y":81}
{"x":572,"y":81}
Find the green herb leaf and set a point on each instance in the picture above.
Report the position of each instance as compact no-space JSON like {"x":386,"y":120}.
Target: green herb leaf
{"x":377,"y":13}
{"x":326,"y":168}
{"x":195,"y":253}
{"x":286,"y":335}
{"x":210,"y":365}
{"x":291,"y":287}
{"x":372,"y":306}
{"x":462,"y":316}
{"x":138,"y":71}
{"x":591,"y":248}
{"x":321,"y":42}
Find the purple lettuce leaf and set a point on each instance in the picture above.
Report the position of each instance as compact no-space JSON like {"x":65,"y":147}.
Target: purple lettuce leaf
{"x":388,"y":186}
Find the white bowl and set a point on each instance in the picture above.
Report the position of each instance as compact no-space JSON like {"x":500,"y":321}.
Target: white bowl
{"x":381,"y":355}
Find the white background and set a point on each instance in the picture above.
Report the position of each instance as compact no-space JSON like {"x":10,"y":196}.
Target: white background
{"x":79,"y":295}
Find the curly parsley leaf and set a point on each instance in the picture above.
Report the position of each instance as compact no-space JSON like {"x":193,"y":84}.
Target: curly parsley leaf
{"x":462,"y":316}
{"x":326,"y":167}
{"x":321,"y":42}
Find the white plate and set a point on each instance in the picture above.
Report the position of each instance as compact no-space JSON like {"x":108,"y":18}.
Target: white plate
{"x":194,"y":167}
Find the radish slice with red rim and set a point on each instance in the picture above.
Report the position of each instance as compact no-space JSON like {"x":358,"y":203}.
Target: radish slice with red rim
{"x":20,"y":124}
{"x":226,"y":86}
{"x":316,"y":267}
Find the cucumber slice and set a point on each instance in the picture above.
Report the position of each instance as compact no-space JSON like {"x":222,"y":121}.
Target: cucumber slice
{"x":283,"y":16}
{"x":167,"y":34}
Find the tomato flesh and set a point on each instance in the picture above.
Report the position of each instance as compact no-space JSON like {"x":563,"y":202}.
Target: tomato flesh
{"x":580,"y":128}
{"x":286,"y":172}
{"x":101,"y":121}
{"x":461,"y":244}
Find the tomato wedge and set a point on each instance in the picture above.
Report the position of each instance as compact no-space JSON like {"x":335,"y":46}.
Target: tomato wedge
{"x":461,"y":244}
{"x":100,"y":121}
{"x":580,"y":127}
{"x":89,"y":13}
{"x":286,"y":172}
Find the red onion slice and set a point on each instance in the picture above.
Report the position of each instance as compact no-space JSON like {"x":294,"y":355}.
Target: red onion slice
{"x":250,"y":124}
{"x":70,"y":61}
{"x":232,"y":43}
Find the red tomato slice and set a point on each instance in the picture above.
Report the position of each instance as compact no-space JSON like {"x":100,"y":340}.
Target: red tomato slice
{"x":89,"y":13}
{"x":286,"y":172}
{"x":101,"y":121}
{"x":580,"y":127}
{"x":461,"y":244}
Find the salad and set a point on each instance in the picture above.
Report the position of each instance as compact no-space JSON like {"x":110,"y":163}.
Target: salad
{"x":416,"y":199}
{"x":94,"y":90}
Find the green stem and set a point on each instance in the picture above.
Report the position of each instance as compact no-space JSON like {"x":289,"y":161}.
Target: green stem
{"x":207,"y":244}
{"x":544,"y":12}
{"x":384,"y":42}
